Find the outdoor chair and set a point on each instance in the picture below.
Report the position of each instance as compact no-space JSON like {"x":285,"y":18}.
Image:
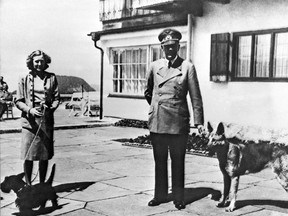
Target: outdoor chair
{"x":9,"y":110}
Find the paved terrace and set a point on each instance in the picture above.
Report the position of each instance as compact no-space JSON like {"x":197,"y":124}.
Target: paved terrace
{"x":62,"y":121}
{"x":98,"y":176}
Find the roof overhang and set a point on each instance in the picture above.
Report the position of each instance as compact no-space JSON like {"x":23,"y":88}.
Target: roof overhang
{"x":97,"y":34}
{"x":194,"y":7}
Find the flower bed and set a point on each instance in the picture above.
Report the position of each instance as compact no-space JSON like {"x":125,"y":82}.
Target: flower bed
{"x":132,"y":123}
{"x":198,"y":145}
{"x":195,"y":145}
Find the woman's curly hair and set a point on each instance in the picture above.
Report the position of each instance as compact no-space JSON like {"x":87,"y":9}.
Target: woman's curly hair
{"x":29,"y":61}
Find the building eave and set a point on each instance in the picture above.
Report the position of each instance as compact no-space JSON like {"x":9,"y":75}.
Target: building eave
{"x":137,"y":28}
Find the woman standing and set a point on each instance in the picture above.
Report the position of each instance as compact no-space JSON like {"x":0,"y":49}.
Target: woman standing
{"x":37,"y":98}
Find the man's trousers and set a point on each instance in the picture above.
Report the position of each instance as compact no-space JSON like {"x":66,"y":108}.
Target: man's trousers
{"x":176,"y":145}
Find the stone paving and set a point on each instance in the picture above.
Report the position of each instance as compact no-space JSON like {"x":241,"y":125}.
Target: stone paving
{"x":96,"y":175}
{"x":62,"y":121}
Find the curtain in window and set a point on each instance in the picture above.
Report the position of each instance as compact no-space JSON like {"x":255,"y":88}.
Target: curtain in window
{"x":157,"y":53}
{"x":142,"y":68}
{"x":183,"y":51}
{"x":125,"y":79}
{"x":130,"y":67}
{"x":129,"y":70}
{"x":262,"y":55}
{"x":115,"y":70}
{"x":244,"y":56}
{"x":280,"y":69}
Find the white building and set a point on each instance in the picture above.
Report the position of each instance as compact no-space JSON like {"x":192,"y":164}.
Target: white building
{"x":239,"y":49}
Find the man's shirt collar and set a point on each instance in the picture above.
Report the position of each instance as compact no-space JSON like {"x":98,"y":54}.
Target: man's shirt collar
{"x":172,"y":61}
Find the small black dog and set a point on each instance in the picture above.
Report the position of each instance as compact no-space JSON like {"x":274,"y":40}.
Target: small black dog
{"x":30,"y":196}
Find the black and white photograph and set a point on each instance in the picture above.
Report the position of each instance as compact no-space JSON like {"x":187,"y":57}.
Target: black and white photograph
{"x":143,"y":107}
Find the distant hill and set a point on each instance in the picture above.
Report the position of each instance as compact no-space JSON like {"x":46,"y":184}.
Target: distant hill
{"x":96,"y":87}
{"x":71,"y":84}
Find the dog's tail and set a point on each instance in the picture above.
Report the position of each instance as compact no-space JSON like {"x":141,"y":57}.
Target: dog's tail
{"x":50,"y":179}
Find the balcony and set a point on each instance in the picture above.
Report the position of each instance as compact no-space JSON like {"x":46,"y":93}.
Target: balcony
{"x":123,"y":9}
{"x":120,"y":9}
{"x":189,"y":6}
{"x":118,"y":14}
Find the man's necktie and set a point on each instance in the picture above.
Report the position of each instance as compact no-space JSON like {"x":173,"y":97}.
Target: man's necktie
{"x":169,"y":64}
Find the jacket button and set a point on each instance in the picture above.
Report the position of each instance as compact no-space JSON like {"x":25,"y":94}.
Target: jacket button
{"x":159,"y":103}
{"x":160,"y":94}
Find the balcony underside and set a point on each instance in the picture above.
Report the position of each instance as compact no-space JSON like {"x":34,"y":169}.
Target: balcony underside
{"x":147,"y":21}
{"x":129,"y":28}
{"x":194,"y":7}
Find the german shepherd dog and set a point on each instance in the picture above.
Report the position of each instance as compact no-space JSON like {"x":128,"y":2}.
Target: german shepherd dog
{"x":237,"y":157}
{"x":30,"y":196}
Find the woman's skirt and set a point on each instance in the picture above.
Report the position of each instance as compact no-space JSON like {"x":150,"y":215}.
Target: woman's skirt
{"x":37,"y":144}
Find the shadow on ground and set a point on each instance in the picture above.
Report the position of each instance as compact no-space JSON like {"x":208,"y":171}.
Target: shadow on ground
{"x":194,"y":194}
{"x":70,"y":187}
{"x":275,"y":203}
{"x":44,"y":211}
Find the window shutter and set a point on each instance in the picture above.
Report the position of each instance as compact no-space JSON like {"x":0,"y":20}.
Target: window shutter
{"x":219,"y":59}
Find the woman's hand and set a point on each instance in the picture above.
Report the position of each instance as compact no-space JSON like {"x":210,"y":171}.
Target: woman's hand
{"x":201,"y":129}
{"x":35,"y":113}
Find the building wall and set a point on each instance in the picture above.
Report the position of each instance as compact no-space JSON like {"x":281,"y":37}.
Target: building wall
{"x":247,"y":103}
{"x":124,"y":107}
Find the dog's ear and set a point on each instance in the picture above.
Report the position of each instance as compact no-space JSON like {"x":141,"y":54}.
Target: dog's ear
{"x":220,"y":129}
{"x":21,"y":175}
{"x":209,"y":127}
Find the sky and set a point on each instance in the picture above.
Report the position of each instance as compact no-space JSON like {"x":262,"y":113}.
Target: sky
{"x":57,"y":27}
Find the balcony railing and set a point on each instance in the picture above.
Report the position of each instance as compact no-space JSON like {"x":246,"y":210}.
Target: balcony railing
{"x":119,"y":9}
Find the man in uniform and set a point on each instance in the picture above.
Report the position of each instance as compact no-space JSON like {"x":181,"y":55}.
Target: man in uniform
{"x":168,"y":82}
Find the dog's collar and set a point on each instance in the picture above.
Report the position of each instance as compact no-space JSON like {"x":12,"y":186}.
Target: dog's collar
{"x":20,"y":189}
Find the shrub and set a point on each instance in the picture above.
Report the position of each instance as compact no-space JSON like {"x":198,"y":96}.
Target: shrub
{"x":132,"y":123}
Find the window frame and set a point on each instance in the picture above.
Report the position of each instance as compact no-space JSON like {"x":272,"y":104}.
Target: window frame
{"x":149,"y":57}
{"x":252,"y":77}
{"x":125,"y":94}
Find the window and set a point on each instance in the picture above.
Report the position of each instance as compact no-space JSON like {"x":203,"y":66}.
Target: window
{"x":261,"y":55}
{"x":129,"y":70}
{"x":130,"y":65}
{"x":280,"y":60}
